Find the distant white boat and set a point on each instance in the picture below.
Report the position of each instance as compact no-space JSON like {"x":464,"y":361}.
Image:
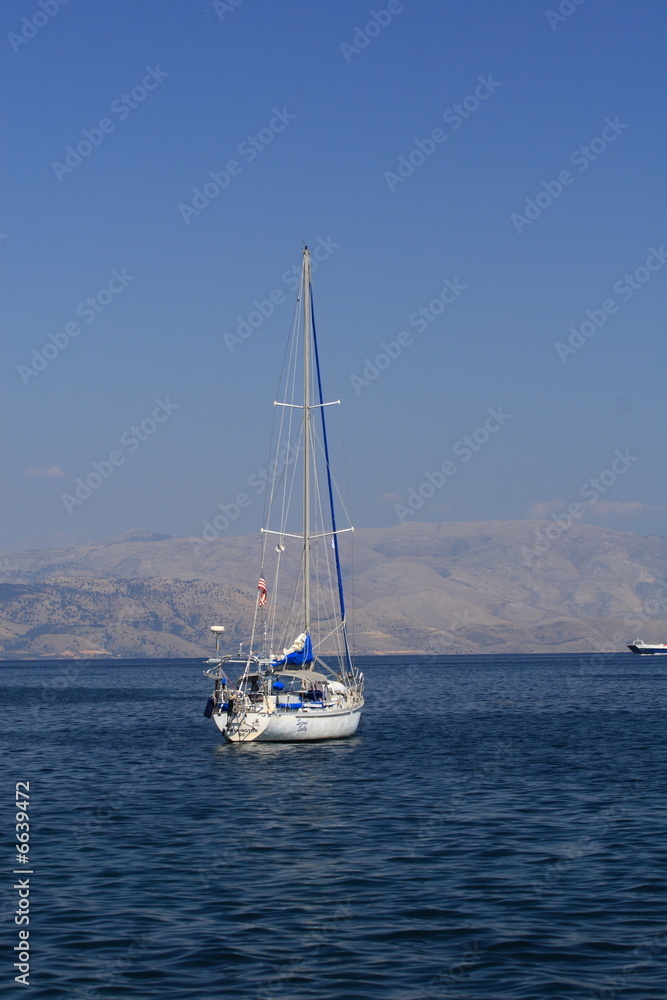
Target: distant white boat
{"x":301,"y":683}
{"x":646,"y":647}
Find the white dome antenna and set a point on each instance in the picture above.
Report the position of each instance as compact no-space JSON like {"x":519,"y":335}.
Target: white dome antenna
{"x":217,"y":631}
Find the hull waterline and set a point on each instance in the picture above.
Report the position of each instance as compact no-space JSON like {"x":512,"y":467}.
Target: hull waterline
{"x":261,"y":727}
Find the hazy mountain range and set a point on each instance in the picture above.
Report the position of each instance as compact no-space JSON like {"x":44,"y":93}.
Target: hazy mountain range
{"x":517,"y":586}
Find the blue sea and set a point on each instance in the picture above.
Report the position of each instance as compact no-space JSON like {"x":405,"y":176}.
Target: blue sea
{"x":497,"y":829}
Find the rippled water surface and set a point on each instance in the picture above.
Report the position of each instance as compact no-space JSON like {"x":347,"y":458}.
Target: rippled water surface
{"x":497,"y":829}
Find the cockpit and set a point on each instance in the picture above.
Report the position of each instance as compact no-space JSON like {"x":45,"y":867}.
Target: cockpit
{"x":292,"y":690}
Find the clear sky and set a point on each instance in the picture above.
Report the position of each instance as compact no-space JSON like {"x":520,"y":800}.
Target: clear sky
{"x":498,"y":166}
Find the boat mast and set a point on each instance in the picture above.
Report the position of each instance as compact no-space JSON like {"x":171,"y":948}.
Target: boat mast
{"x":306,"y":440}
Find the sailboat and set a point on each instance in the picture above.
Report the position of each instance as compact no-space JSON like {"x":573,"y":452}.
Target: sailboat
{"x":298,"y":680}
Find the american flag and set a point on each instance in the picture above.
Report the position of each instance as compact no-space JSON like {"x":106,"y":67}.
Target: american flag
{"x":261,"y":586}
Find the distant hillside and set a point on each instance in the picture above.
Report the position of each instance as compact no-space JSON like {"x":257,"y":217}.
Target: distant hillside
{"x":518,"y":586}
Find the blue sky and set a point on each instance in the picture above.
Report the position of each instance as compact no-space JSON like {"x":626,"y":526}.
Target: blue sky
{"x":153,"y":98}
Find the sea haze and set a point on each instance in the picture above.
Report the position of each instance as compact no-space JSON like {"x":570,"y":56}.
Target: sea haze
{"x":497,"y":829}
{"x":456,"y":588}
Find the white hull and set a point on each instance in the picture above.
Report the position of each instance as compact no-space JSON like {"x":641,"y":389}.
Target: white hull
{"x":288,"y":727}
{"x":646,"y":648}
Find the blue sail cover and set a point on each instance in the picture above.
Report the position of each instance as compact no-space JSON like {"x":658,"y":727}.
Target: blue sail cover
{"x":334,"y":537}
{"x":298,"y":658}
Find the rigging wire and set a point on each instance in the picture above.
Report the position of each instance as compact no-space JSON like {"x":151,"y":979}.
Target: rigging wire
{"x":286,"y":458}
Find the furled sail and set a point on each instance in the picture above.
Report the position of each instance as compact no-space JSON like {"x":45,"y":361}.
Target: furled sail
{"x":300,"y":652}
